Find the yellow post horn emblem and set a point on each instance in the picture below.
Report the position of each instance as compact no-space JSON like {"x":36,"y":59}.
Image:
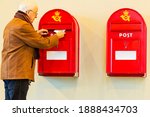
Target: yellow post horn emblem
{"x":57,"y":17}
{"x":125,"y":16}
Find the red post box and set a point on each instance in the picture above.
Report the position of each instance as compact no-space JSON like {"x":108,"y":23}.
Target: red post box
{"x":64,"y":59}
{"x":126,"y":44}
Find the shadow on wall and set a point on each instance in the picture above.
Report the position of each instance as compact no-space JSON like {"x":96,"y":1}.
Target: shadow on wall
{"x":92,"y":47}
{"x":63,"y":82}
{"x":127,"y":83}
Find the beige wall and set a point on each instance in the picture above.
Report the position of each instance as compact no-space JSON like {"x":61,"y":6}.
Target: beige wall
{"x":93,"y":82}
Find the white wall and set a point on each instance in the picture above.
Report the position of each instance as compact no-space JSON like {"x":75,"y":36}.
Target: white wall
{"x":93,"y":82}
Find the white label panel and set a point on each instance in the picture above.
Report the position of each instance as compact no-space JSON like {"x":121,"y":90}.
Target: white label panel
{"x":56,"y":55}
{"x":125,"y":55}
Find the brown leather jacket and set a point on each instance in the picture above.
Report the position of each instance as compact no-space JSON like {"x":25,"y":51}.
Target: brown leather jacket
{"x":20,"y":39}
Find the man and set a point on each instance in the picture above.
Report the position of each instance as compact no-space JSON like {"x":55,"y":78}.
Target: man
{"x":18,"y":54}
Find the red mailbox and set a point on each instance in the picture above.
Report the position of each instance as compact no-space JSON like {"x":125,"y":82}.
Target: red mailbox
{"x":64,"y":59}
{"x":126,"y":44}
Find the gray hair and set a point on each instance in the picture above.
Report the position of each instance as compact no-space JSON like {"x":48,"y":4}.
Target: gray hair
{"x":27,"y":5}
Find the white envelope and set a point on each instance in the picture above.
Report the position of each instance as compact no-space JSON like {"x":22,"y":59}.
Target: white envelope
{"x":58,"y":31}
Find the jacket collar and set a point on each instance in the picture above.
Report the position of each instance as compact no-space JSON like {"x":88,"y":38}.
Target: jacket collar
{"x":23,"y":16}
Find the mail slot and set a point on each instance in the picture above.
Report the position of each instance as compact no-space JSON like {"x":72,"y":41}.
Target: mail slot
{"x":126,"y":44}
{"x":64,"y":59}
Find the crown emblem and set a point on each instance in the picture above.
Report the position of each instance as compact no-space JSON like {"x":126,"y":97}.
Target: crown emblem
{"x":125,"y":16}
{"x":56,"y":17}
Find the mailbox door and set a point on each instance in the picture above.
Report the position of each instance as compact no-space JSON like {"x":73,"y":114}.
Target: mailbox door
{"x":126,"y":52}
{"x":59,"y":57}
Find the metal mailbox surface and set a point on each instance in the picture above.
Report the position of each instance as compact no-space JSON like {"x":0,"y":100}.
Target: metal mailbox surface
{"x":126,"y":44}
{"x":64,"y":59}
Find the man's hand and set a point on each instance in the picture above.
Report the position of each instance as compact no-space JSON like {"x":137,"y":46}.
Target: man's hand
{"x":43,"y":32}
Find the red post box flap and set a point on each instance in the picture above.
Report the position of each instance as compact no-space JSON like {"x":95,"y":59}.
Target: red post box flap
{"x":125,"y":27}
{"x":61,"y":27}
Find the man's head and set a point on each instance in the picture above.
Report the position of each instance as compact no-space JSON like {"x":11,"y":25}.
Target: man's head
{"x":30,"y":8}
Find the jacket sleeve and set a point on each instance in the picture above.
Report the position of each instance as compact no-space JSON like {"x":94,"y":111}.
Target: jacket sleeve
{"x":29,"y":36}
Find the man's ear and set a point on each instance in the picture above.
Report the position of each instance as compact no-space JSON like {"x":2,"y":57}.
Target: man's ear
{"x":28,"y":12}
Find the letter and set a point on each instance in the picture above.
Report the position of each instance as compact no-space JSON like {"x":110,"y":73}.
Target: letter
{"x":66,"y":110}
{"x":124,"y":34}
{"x":14,"y":110}
{"x":131,"y":34}
{"x":61,"y":110}
{"x":120,"y":34}
{"x":55,"y":110}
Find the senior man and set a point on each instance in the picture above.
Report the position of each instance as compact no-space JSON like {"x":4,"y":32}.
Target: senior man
{"x":19,"y":50}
